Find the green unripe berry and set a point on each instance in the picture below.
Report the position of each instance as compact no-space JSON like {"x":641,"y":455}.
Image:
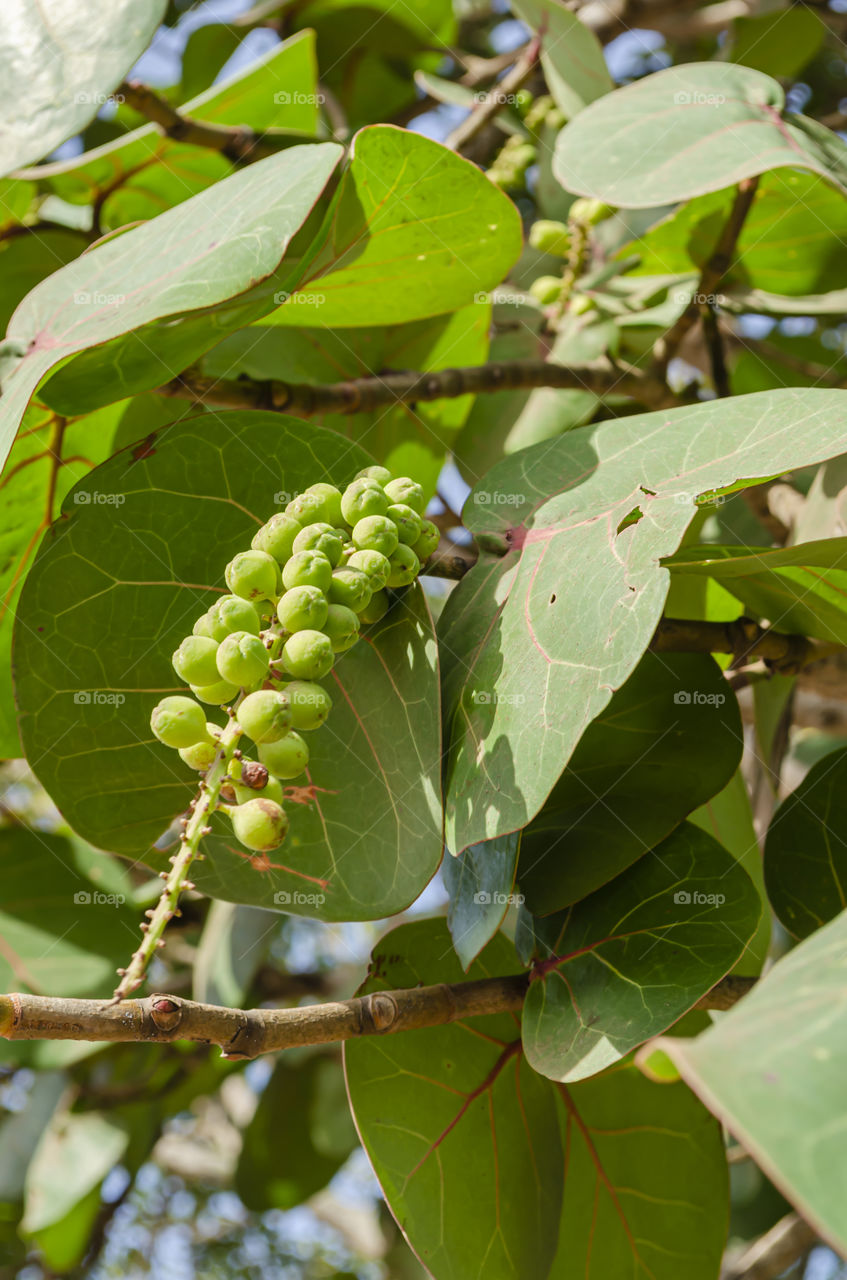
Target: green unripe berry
{"x":546,"y":289}
{"x":178,"y":722}
{"x":320,"y":537}
{"x":253,"y":575}
{"x":200,"y":756}
{"x":330,"y":502}
{"x":308,"y":655}
{"x":522,"y":156}
{"x":363,"y":498}
{"x":427,"y":542}
{"x":194,"y":660}
{"x":272,"y":790}
{"x":374,"y":564}
{"x":310,"y":704}
{"x":405,"y":567}
{"x":375,"y":533}
{"x":276,"y":537}
{"x":377,"y":607}
{"x":259,"y":824}
{"x":242,"y":659}
{"x":306,"y":508}
{"x":265,"y":716}
{"x":286,"y":758}
{"x":408,"y":522}
{"x":231,"y":613}
{"x":523,"y":101}
{"x":550,"y":237}
{"x":204,"y":627}
{"x":408,"y":492}
{"x":215,"y":694}
{"x":380,"y":474}
{"x":302,"y":608}
{"x":590,"y":212}
{"x":307,"y":569}
{"x":350,"y":587}
{"x":342,"y":627}
{"x":580,"y":303}
{"x":556,"y":118}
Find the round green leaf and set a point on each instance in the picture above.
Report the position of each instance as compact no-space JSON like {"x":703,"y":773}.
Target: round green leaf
{"x":138,"y":555}
{"x":669,"y":739}
{"x":628,"y":961}
{"x":683,"y":131}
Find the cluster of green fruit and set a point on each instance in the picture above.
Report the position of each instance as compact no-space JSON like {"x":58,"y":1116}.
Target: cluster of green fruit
{"x":315,"y":572}
{"x":556,"y":239}
{"x":509,"y":167}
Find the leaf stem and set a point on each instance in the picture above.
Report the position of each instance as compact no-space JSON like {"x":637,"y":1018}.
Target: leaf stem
{"x":176,"y":880}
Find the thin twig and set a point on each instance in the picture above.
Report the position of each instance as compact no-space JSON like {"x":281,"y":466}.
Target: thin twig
{"x":247,"y":1033}
{"x":496,"y":98}
{"x":237,"y":142}
{"x":744,"y":639}
{"x":365,"y":395}
{"x":774,"y":1253}
{"x":710,"y":277}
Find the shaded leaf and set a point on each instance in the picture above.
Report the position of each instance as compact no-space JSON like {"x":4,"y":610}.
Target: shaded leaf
{"x":668,"y":740}
{"x":779,"y":43}
{"x":628,"y":961}
{"x":233,"y":945}
{"x":728,"y":817}
{"x":806,"y":849}
{"x":61,"y":934}
{"x":480,"y":883}
{"x":281,"y":1163}
{"x":461,"y":1132}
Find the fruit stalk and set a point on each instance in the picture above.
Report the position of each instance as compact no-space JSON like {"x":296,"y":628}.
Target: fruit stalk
{"x":176,"y":880}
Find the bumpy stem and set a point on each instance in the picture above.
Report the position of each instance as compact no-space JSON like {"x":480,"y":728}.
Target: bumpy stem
{"x":176,"y":880}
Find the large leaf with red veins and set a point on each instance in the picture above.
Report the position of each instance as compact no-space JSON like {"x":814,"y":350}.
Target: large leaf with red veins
{"x":568,"y":589}
{"x":465,"y":1140}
